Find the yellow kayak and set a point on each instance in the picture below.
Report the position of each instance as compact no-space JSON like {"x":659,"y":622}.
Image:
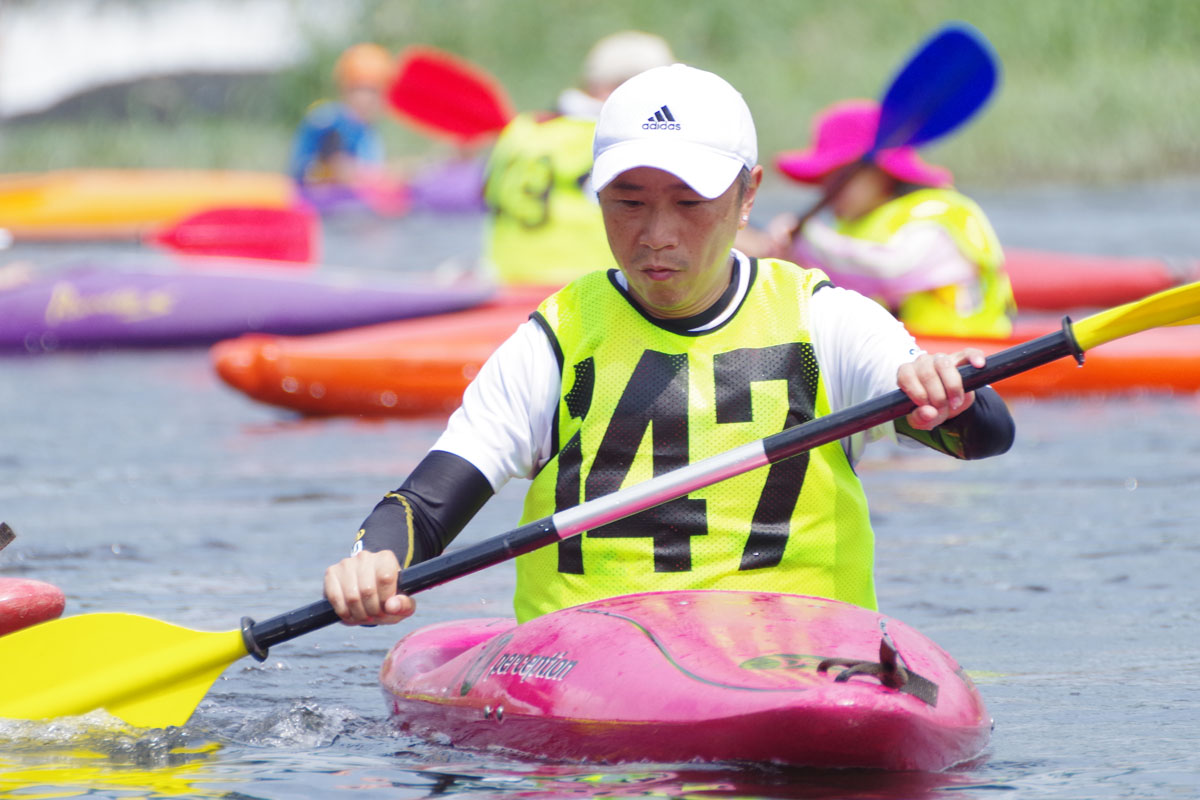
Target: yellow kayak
{"x":115,"y":203}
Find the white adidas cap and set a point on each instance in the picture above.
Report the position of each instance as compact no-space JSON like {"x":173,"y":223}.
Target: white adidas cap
{"x":679,"y":119}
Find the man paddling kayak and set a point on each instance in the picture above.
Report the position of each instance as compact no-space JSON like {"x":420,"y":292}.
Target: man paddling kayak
{"x":687,"y":350}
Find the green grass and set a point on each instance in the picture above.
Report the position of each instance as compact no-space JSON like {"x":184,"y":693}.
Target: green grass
{"x":224,"y":143}
{"x":1092,"y":90}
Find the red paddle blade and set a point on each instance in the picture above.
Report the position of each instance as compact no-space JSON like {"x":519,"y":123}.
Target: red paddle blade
{"x":279,"y":234}
{"x":448,"y":96}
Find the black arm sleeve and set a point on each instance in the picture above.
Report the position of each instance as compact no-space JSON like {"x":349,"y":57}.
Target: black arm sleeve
{"x":985,"y":429}
{"x":434,"y":504}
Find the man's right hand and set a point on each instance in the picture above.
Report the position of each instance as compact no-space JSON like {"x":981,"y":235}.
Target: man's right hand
{"x":362,"y":589}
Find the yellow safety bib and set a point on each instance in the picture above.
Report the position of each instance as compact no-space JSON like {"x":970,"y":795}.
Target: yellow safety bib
{"x":639,"y":400}
{"x":983,"y":307}
{"x":544,"y":226}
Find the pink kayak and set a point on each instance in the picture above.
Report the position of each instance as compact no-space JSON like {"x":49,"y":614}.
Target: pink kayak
{"x":692,"y":675}
{"x":25,"y":602}
{"x":1049,"y":281}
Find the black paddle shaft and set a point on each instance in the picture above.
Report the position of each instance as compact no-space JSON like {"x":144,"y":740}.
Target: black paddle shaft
{"x":895,"y":404}
{"x":261,"y":635}
{"x":777,"y":447}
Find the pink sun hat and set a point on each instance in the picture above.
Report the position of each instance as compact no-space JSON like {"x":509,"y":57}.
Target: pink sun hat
{"x":842,"y":133}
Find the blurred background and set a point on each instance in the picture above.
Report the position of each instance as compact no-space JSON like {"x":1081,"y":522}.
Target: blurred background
{"x":139,"y":481}
{"x":1092,"y":92}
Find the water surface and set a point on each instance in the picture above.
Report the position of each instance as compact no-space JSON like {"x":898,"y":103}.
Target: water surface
{"x":1062,"y":575}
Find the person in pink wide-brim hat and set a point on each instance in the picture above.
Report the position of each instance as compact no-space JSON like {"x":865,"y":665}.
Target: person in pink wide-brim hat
{"x":842,"y":134}
{"x":901,"y":233}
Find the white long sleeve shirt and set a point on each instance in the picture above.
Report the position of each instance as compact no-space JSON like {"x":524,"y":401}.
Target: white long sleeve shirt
{"x":505,"y":424}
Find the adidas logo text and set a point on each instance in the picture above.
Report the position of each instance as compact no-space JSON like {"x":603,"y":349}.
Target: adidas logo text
{"x":661,"y":120}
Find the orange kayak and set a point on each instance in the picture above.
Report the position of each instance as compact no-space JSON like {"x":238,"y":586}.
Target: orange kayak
{"x":117,"y":203}
{"x":421,"y":366}
{"x":388,"y":369}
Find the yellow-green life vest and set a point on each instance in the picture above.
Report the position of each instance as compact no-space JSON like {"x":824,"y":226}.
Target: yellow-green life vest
{"x":984,"y":307}
{"x":544,"y":226}
{"x":639,"y":400}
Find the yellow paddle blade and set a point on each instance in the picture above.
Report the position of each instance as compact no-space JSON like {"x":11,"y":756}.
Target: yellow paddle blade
{"x":1178,"y":306}
{"x":149,"y":673}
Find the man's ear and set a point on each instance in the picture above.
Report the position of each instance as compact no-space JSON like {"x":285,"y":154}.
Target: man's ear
{"x":756,"y":176}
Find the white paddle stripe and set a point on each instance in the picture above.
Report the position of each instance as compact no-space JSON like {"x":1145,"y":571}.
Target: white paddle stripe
{"x":676,"y":483}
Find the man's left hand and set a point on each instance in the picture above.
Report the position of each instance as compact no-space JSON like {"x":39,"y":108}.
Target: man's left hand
{"x":933,"y":383}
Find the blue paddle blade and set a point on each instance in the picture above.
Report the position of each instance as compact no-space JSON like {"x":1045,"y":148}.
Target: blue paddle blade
{"x":946,"y":81}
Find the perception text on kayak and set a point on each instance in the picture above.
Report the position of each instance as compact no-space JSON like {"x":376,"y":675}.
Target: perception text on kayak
{"x":555,"y":667}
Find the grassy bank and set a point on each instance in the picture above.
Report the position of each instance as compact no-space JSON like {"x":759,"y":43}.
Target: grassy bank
{"x":1092,"y":90}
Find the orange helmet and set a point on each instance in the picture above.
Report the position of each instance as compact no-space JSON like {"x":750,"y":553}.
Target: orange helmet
{"x":364,"y":64}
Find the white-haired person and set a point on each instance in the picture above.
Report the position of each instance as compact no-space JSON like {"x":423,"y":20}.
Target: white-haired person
{"x":686,"y":349}
{"x":543,"y":225}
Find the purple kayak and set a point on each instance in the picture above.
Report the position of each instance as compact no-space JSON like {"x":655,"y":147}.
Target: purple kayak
{"x":454,"y":186}
{"x":95,"y":306}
